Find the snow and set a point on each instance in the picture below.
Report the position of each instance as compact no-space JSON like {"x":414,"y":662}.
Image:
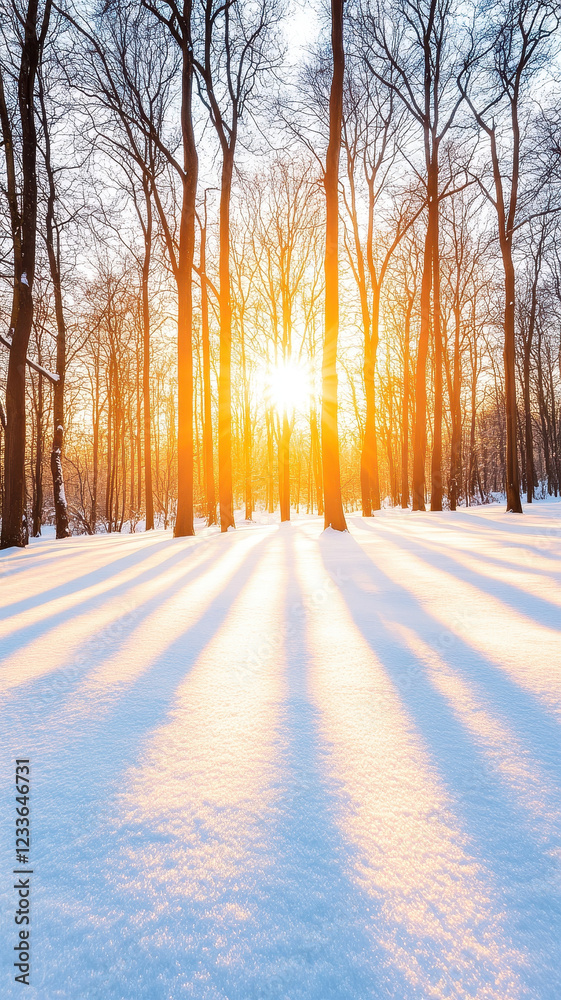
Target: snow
{"x":7,"y":342}
{"x":284,"y":764}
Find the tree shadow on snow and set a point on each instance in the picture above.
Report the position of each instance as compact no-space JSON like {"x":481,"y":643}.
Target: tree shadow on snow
{"x":507,"y":840}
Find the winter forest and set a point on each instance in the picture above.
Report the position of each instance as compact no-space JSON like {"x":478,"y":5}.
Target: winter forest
{"x":242,"y":270}
{"x":280,"y":484}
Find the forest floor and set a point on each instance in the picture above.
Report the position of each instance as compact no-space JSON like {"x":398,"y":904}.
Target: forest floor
{"x":282,"y":764}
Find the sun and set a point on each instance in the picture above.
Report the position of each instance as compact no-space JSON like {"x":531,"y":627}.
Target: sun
{"x":288,"y":386}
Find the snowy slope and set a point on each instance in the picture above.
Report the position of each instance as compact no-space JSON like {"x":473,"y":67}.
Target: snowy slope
{"x":283,"y":764}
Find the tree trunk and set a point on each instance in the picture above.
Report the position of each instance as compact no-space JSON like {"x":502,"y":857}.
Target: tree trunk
{"x":108,"y":505}
{"x":369,"y":473}
{"x":208,"y":458}
{"x":270,"y":461}
{"x":95,"y":457}
{"x":372,"y":430}
{"x":184,"y":518}
{"x":284,"y":468}
{"x":456,"y":442}
{"x":528,"y":432}
{"x":368,"y":452}
{"x":225,"y":491}
{"x":146,"y":400}
{"x":37,"y":511}
{"x":316,"y":458}
{"x":405,"y":406}
{"x":334,"y":516}
{"x":470,"y":485}
{"x":53,"y":253}
{"x":246,"y":430}
{"x":531,"y":481}
{"x":14,"y":520}
{"x":420,"y":424}
{"x":436,"y":459}
{"x":513,"y":503}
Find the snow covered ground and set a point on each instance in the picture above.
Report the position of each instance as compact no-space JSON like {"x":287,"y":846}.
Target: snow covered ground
{"x":287,"y":765}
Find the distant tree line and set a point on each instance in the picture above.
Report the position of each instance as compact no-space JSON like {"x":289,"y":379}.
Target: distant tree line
{"x":237,"y":273}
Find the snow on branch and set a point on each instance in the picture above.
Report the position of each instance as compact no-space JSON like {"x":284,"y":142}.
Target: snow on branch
{"x":6,"y":341}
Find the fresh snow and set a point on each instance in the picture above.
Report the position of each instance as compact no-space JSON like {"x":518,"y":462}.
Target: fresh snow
{"x":281,"y":764}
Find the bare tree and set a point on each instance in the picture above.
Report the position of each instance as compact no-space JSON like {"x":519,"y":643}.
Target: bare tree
{"x":52,"y":239}
{"x":503,"y":57}
{"x":178,"y":19}
{"x":371,"y":134}
{"x":208,"y":451}
{"x":131,"y":68}
{"x":23,"y":218}
{"x":238,"y":50}
{"x":334,"y":516}
{"x":413,"y":54}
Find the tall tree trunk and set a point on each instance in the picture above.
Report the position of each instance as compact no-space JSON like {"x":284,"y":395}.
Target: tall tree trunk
{"x":246,"y":430}
{"x":53,"y":253}
{"x":420,"y":424}
{"x":95,"y":450}
{"x":436,"y":458}
{"x":285,"y":428}
{"x":531,"y":481}
{"x":208,"y":457}
{"x":371,"y":417}
{"x":506,"y":231}
{"x":133,"y":509}
{"x":528,"y":431}
{"x":368,"y":449}
{"x":108,"y":505}
{"x":284,"y":468}
{"x":225,"y":491}
{"x":470,"y":487}
{"x":316,"y":459}
{"x":405,"y":405}
{"x":137,"y":425}
{"x":369,"y":472}
{"x":513,"y":502}
{"x":14,"y":520}
{"x":184,"y":521}
{"x":270,"y":461}
{"x":146,"y":399}
{"x":368,"y":453}
{"x":333,"y":516}
{"x":37,"y":511}
{"x":456,"y":442}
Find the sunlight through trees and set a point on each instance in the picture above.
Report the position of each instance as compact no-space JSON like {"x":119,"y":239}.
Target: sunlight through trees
{"x":244,"y":273}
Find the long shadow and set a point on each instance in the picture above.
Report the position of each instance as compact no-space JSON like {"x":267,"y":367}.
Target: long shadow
{"x":90,"y":579}
{"x":521,"y":601}
{"x":25,"y":634}
{"x":500,"y":831}
{"x":68,"y":549}
{"x":527,"y":524}
{"x":303,"y":934}
{"x":472,"y":523}
{"x":392,"y":530}
{"x":90,"y":768}
{"x":528,"y":718}
{"x":74,"y":787}
{"x":16,"y":560}
{"x":307,"y":938}
{"x":49,"y":695}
